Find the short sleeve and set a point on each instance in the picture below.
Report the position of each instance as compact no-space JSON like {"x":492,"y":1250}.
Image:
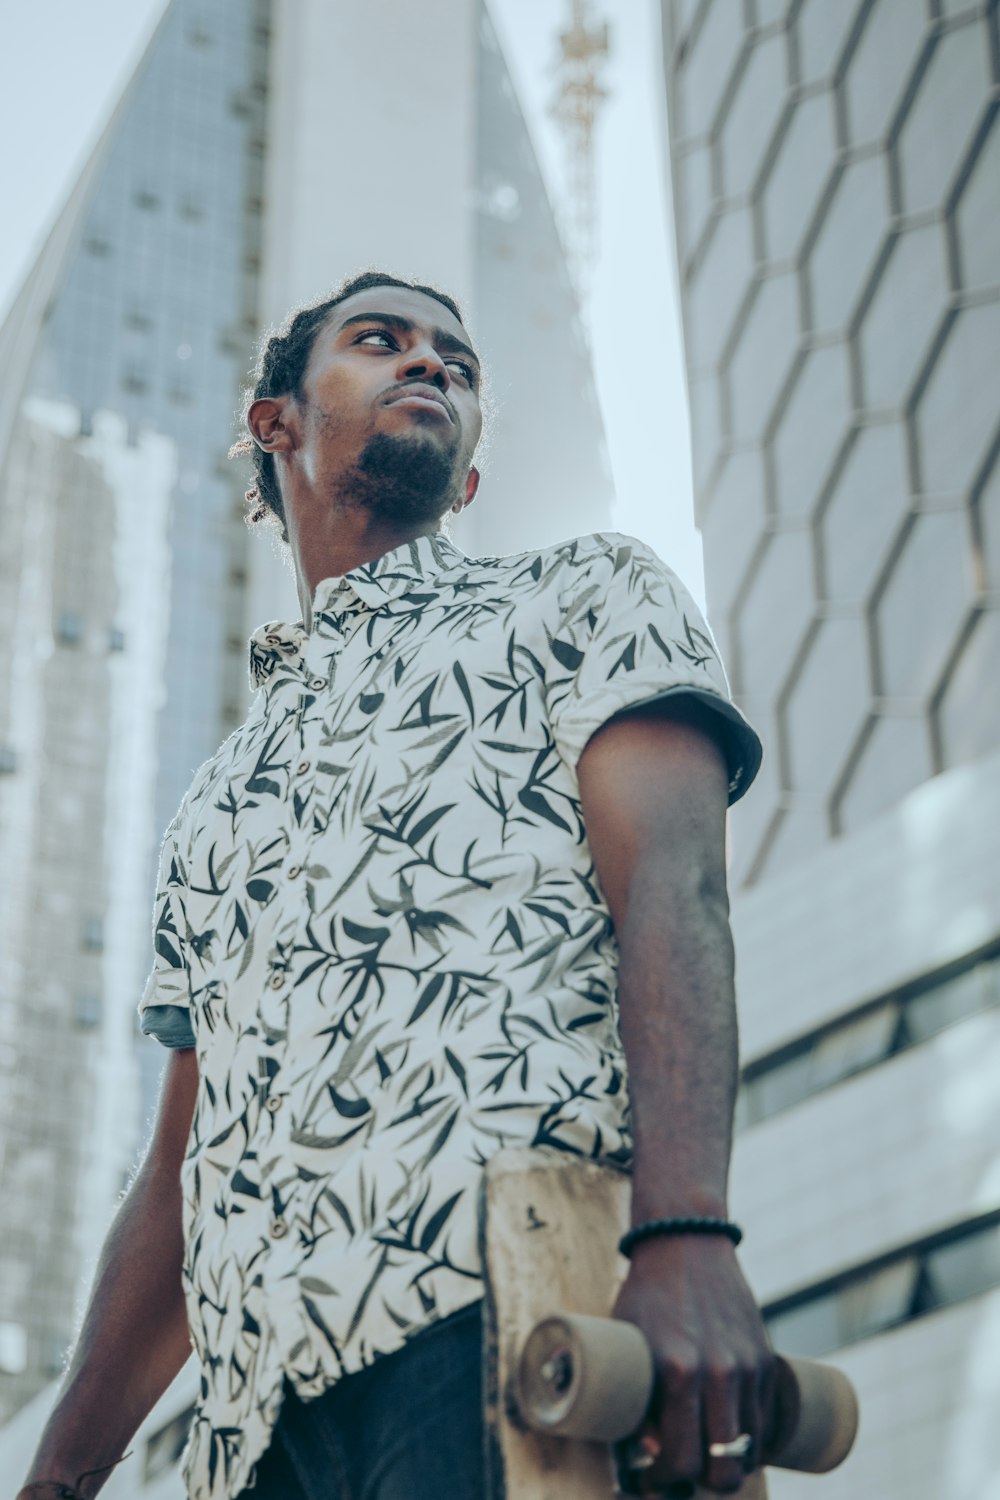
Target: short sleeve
{"x":630,"y":635}
{"x":165,"y":1007}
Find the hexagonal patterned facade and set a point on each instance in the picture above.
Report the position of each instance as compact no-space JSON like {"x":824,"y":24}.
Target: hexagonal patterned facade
{"x":836,"y":170}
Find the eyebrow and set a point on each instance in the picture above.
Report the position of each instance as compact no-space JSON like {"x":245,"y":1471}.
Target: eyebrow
{"x":441,"y":338}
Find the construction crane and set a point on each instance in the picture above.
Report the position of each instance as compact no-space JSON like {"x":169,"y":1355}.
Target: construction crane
{"x":583,"y":48}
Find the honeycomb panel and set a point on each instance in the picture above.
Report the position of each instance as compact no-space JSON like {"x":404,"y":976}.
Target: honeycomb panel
{"x":969,"y":713}
{"x":939,"y":123}
{"x":864,"y":512}
{"x":719,"y":286}
{"x":799,"y":831}
{"x":834,"y":672}
{"x":924,"y":604}
{"x":775,"y":614}
{"x":693,"y":179}
{"x":706,"y":425}
{"x":822,"y":31}
{"x":813,"y":425}
{"x":753,"y":114}
{"x":707,"y":68}
{"x":988,"y":524}
{"x":896,"y":758}
{"x":737,"y":510}
{"x":888,"y":48}
{"x":905,"y":309}
{"x":768,"y":12}
{"x":797,"y":177}
{"x":977,"y":219}
{"x":844,"y":250}
{"x":958,"y":412}
{"x":763,"y":356}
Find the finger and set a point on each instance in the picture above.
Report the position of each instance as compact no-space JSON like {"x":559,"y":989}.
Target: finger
{"x":679,"y":1430}
{"x":723,"y":1418}
{"x":758,"y":1407}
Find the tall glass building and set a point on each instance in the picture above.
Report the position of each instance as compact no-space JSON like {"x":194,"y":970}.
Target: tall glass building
{"x":232,"y":182}
{"x":836,"y":176}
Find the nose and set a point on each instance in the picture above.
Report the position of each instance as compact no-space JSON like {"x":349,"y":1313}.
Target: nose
{"x":423,"y":362}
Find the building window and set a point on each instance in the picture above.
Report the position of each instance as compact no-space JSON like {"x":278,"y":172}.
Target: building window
{"x":8,"y":760}
{"x":54,"y":1351}
{"x":135,"y":383}
{"x":96,"y":246}
{"x":13,"y":1349}
{"x":87,"y":1009}
{"x":69,"y":628}
{"x":138,"y":322}
{"x":145,"y":200}
{"x":866,"y":1038}
{"x":93,"y":934}
{"x":920,"y":1279}
{"x":190,"y":210}
{"x":116,"y":639}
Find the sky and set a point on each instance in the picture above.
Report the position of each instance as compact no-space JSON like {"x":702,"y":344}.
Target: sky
{"x":71,"y":62}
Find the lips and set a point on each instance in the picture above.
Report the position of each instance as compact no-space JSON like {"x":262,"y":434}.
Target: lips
{"x":422,"y":393}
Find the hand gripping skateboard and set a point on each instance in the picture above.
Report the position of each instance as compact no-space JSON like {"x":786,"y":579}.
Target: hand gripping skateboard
{"x":564,"y":1381}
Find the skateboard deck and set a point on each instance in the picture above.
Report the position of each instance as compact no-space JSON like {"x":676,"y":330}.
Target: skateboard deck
{"x":550,"y":1225}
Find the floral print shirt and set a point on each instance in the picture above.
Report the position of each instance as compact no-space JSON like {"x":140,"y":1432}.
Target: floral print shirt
{"x":378,"y":922}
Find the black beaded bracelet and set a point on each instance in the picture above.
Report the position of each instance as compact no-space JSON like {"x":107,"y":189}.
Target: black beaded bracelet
{"x":654,"y":1227}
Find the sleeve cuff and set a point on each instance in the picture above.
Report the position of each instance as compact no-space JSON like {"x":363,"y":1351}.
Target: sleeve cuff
{"x":170,"y":1025}
{"x":738,"y":739}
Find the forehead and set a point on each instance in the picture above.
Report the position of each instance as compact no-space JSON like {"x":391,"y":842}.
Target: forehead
{"x":424,"y":311}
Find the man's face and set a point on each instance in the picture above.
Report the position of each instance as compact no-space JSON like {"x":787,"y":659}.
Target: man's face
{"x":390,"y":404}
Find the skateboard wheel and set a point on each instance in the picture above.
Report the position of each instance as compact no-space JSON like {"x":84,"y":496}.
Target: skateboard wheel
{"x":817,"y":1417}
{"x":585,"y":1377}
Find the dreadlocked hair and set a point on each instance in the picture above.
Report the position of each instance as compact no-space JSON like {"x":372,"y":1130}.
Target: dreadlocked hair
{"x":280,"y":370}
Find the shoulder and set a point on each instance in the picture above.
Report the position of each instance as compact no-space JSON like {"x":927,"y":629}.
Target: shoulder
{"x":565,"y":568}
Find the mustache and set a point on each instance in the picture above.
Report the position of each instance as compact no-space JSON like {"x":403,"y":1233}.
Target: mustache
{"x":421,"y":387}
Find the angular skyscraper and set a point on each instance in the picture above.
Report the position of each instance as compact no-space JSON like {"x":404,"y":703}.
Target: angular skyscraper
{"x":836,"y":172}
{"x":255,"y":159}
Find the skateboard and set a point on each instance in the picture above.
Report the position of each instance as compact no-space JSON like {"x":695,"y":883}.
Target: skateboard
{"x":565,"y":1384}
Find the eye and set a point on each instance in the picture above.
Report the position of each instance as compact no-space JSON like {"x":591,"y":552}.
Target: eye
{"x":466,"y":371}
{"x":377,"y":333}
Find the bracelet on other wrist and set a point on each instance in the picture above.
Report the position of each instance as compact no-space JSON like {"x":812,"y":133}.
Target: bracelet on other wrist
{"x":654,"y":1228}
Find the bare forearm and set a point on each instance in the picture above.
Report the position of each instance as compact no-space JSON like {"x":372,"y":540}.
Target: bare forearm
{"x":133,"y":1341}
{"x":678,"y":1026}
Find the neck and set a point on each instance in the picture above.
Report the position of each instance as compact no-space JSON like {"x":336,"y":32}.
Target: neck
{"x":330,"y":545}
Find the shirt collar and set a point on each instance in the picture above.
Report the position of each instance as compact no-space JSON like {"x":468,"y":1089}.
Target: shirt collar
{"x":393,"y":574}
{"x":397,"y":573}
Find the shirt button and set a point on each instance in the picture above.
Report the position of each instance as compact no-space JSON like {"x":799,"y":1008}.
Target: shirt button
{"x":316,"y":683}
{"x":272,"y":1104}
{"x":302,"y":767}
{"x":293,"y":871}
{"x":278,"y":1229}
{"x":277,"y":980}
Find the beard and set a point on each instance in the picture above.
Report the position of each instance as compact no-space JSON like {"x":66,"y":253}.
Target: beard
{"x":404,"y":479}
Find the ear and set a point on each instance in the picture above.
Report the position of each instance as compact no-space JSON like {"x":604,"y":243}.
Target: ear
{"x":266,"y":421}
{"x":471,"y":486}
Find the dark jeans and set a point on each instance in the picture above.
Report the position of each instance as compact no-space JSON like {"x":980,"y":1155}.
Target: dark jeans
{"x":409,"y":1427}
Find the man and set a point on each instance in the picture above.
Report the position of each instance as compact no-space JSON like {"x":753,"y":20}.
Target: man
{"x":456,"y":883}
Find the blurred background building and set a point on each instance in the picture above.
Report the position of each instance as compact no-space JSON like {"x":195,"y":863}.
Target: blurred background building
{"x":259,"y":155}
{"x":836,"y":171}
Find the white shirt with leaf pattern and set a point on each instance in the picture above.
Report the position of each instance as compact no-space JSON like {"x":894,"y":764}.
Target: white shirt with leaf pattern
{"x":377,"y":920}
